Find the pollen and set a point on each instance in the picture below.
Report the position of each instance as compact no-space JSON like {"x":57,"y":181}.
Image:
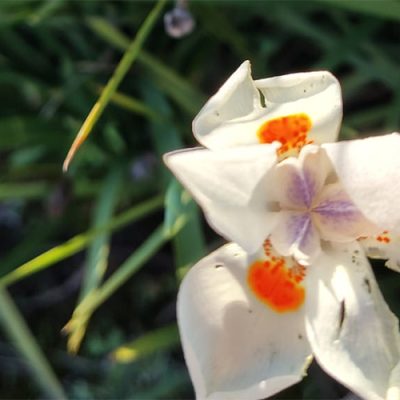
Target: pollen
{"x":276,"y":285}
{"x":291,"y":131}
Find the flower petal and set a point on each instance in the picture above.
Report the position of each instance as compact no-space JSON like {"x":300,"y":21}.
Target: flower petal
{"x":232,"y":187}
{"x":316,"y":94}
{"x":238,"y":97}
{"x":337,"y":218}
{"x":295,"y":104}
{"x":353,"y":334}
{"x":298,"y":180}
{"x":295,"y":235}
{"x":383,"y":246}
{"x":235,"y":346}
{"x":369,"y":169}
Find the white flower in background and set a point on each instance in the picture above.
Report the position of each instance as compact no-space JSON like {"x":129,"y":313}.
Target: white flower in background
{"x":250,"y":318}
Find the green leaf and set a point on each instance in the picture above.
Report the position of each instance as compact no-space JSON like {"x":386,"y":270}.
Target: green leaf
{"x":189,"y":244}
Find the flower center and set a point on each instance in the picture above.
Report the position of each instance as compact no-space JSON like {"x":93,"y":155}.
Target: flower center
{"x":275,"y":283}
{"x":290,"y":130}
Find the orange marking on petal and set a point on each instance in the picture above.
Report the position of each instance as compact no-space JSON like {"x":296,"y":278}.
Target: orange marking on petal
{"x":290,"y":130}
{"x":384,"y":237}
{"x":276,"y":285}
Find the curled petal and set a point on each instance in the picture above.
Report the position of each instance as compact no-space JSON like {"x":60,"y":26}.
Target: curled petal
{"x":353,"y":334}
{"x":237,"y":98}
{"x":232,"y":187}
{"x":235,"y":346}
{"x":369,"y":169}
{"x":308,"y":93}
{"x":290,"y":109}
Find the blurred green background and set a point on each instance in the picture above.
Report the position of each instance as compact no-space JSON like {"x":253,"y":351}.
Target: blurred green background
{"x":116,"y":233}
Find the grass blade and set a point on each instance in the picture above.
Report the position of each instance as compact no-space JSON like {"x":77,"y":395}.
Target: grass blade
{"x":179,"y":89}
{"x":79,"y":242}
{"x":76,"y":326}
{"x":19,"y":334}
{"x":160,"y":339}
{"x":97,"y":256}
{"x":122,"y":68}
{"x":133,"y":105}
{"x":389,"y":9}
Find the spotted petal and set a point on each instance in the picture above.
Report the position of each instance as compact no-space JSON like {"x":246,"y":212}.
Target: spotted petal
{"x":291,"y":109}
{"x":232,"y":187}
{"x":308,"y":93}
{"x":369,"y":169}
{"x":352,"y":332}
{"x":235,"y":346}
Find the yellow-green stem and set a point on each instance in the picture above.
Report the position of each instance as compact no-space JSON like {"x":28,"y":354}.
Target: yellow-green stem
{"x":126,"y":62}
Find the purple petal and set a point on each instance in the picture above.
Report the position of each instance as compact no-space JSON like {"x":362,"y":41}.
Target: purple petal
{"x":300,"y":228}
{"x":302,"y":189}
{"x":337,"y":209}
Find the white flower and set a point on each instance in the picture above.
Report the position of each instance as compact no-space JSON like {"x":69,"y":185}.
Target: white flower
{"x":250,"y":319}
{"x":282,"y":113}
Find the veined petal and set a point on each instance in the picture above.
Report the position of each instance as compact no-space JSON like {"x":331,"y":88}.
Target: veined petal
{"x":237,"y":97}
{"x":317,"y":94}
{"x":294,"y":113}
{"x":296,"y":181}
{"x":353,"y":334}
{"x":384,"y":246}
{"x":235,"y":346}
{"x":232,"y":187}
{"x":369,"y":169}
{"x":295,"y":235}
{"x":337,"y":218}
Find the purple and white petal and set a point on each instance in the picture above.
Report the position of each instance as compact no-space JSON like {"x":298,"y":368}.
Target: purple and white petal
{"x":298,"y":181}
{"x":337,"y":218}
{"x":369,"y":169}
{"x":295,"y":235}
